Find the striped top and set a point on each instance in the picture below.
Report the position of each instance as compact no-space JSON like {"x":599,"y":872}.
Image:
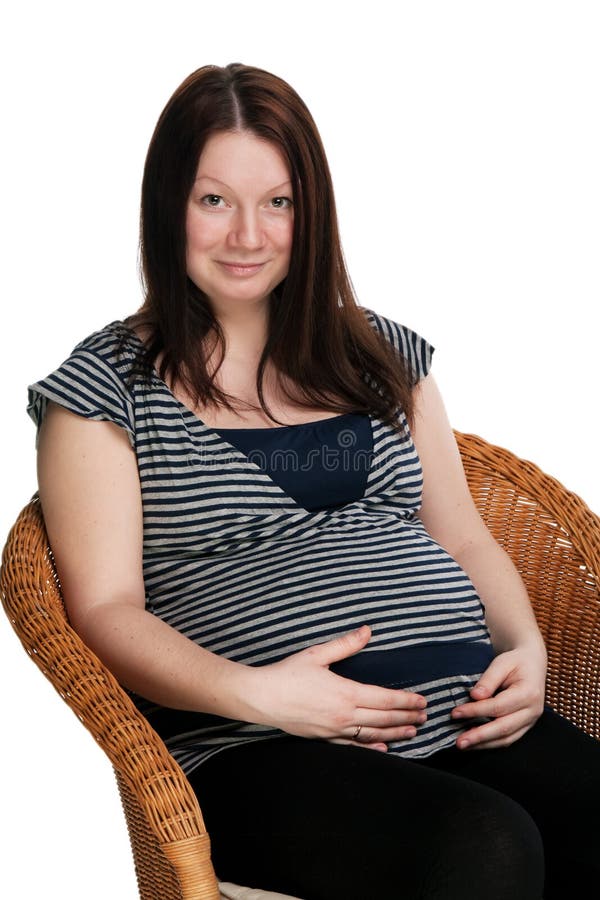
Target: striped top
{"x":239,"y":566}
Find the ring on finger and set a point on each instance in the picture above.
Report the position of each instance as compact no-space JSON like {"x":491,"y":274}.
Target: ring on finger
{"x":356,"y":732}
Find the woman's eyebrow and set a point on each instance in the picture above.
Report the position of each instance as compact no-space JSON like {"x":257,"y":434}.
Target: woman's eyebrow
{"x":277,"y":187}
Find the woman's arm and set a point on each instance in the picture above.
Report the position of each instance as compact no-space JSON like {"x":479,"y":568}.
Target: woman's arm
{"x":451,"y":518}
{"x":91,"y":498}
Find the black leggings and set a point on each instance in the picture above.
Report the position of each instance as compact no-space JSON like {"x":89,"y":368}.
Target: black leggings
{"x":323,"y":821}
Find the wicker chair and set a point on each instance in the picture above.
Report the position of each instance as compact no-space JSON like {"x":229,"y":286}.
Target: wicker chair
{"x":550,"y":534}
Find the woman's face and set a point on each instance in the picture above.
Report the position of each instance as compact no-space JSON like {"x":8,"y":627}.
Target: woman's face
{"x":239,"y":222}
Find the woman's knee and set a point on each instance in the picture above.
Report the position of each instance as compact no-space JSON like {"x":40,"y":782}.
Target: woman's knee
{"x":490,"y":846}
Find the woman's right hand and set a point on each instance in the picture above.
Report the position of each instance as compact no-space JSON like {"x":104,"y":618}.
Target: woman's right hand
{"x":301,"y":696}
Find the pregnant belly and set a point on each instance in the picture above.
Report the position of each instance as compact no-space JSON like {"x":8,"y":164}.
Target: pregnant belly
{"x":442,"y":672}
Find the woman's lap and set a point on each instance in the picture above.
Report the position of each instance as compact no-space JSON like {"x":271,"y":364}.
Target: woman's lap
{"x":553,"y":772}
{"x":319,"y":820}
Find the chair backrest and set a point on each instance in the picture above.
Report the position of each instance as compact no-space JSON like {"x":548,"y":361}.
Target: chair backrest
{"x":554,"y":540}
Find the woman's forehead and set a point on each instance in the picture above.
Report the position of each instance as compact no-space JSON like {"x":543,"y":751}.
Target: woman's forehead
{"x":242,"y":158}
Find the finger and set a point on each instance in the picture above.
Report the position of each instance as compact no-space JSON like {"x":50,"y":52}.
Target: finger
{"x":504,"y":703}
{"x":340,"y":647}
{"x":497,"y":744}
{"x":370,"y":696}
{"x":376,"y":745}
{"x":500,"y":742}
{"x":498,"y":730}
{"x":380,"y":718}
{"x":493,"y":678}
{"x":481,"y":691}
{"x":368,"y":735}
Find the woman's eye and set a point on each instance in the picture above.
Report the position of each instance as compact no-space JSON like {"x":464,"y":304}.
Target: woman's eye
{"x":281,"y":202}
{"x":213,"y":200}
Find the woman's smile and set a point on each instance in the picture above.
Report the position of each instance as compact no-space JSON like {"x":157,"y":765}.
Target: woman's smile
{"x":238,"y":269}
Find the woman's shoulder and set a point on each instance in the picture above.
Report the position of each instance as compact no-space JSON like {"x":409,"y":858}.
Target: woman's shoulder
{"x":414,"y":348}
{"x":398,"y":334}
{"x":94,"y":381}
{"x":116,"y":344}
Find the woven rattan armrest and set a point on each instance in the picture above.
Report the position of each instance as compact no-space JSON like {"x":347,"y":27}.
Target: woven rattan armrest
{"x":553,"y":539}
{"x":171,"y":847}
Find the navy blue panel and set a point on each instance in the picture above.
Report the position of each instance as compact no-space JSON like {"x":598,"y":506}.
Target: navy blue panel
{"x":321,"y":465}
{"x":421,"y":662}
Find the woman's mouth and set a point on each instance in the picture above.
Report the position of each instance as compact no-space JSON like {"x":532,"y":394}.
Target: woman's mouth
{"x":241,"y":269}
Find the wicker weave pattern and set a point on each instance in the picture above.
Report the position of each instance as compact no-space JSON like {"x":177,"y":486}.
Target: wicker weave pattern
{"x":163,"y":815}
{"x":554,"y":540}
{"x":551,"y":535}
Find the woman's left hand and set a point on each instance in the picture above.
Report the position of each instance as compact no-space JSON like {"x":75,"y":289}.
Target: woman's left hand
{"x":511,"y":693}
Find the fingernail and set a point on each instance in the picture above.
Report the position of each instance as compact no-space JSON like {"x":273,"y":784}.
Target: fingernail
{"x":462,"y":745}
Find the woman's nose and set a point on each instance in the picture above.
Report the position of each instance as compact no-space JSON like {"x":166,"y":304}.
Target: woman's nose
{"x":247,"y":230}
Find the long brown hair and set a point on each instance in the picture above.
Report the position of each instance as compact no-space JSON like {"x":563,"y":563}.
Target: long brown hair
{"x":318,"y":335}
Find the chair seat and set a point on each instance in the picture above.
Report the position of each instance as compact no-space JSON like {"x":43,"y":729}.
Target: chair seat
{"x":229,"y":891}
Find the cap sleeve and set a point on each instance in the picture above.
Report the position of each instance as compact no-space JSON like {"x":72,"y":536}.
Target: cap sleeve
{"x":411,"y":346}
{"x":86,"y":383}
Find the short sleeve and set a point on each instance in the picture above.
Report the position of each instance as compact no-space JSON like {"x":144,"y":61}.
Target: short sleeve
{"x":411,"y":346}
{"x":87,"y":383}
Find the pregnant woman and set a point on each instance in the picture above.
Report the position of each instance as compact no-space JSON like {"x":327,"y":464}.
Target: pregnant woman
{"x":261,"y":524}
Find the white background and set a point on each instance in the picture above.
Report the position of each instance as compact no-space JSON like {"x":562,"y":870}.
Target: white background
{"x":464,"y":141}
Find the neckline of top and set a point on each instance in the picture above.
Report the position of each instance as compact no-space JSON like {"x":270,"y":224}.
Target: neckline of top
{"x":218,"y":430}
{"x":293,"y":425}
{"x":243,"y":457}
